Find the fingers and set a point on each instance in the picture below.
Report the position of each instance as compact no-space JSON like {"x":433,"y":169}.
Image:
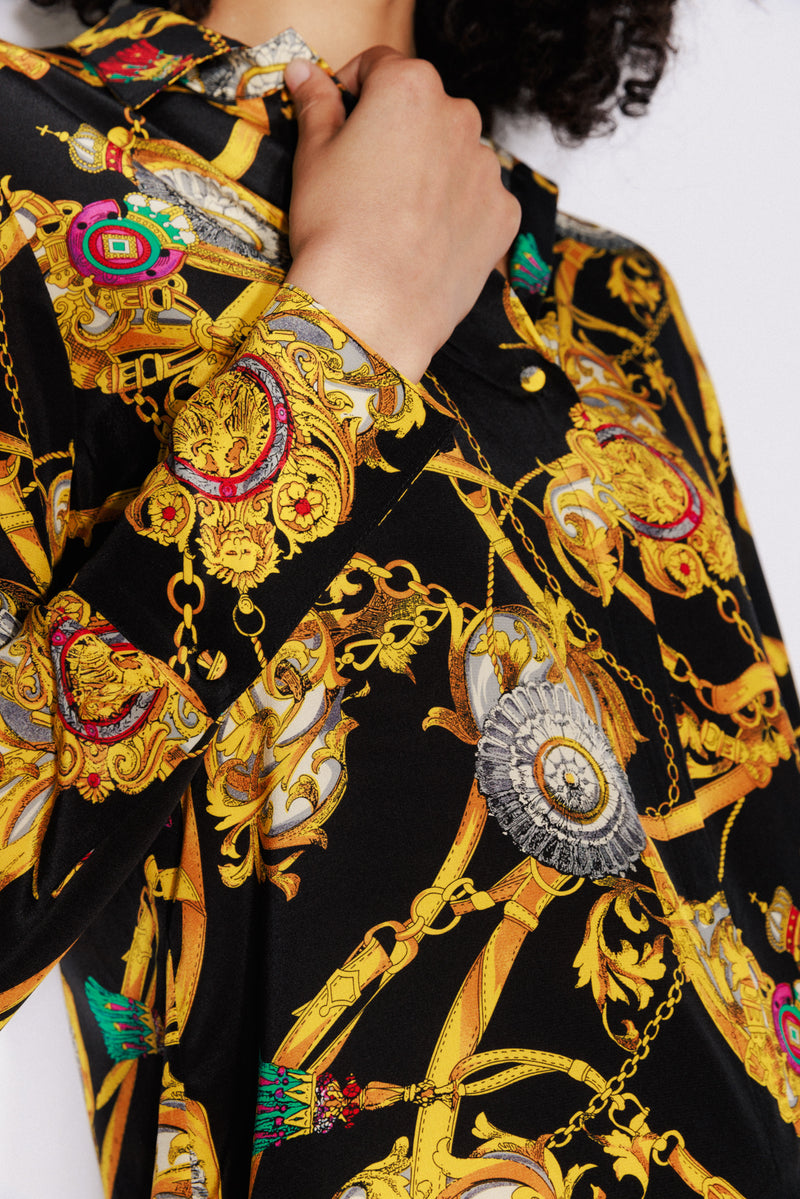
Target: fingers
{"x":354,"y":72}
{"x":405,"y":172}
{"x":317,"y":102}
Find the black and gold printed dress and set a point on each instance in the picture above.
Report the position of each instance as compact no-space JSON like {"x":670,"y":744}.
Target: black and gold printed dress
{"x":404,"y":776}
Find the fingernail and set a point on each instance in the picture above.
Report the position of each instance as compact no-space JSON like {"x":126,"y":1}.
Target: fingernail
{"x":297,"y":72}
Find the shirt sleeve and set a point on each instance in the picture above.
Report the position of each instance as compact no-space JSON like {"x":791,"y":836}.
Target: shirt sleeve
{"x":709,"y":421}
{"x":112,"y":677}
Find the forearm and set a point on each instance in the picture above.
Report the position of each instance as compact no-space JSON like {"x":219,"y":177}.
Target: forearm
{"x":111,"y":691}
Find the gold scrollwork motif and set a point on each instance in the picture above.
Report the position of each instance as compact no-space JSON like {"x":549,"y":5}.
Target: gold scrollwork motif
{"x":623,"y":975}
{"x":264,"y":456}
{"x":623,"y":476}
{"x":109,"y":718}
{"x":276,"y":767}
{"x":623,"y":479}
{"x":736,"y":992}
{"x":186,"y":1159}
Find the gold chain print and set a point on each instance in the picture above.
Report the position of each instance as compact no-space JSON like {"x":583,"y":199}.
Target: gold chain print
{"x":399,"y":814}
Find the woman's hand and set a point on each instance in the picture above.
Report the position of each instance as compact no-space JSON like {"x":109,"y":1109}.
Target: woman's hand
{"x":398,"y":214}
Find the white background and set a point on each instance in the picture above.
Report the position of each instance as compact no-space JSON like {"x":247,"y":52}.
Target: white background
{"x":709,"y":182}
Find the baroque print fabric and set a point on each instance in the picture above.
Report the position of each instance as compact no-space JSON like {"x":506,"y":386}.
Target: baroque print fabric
{"x":405,"y":777}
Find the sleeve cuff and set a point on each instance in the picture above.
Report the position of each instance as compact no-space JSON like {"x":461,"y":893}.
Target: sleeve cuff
{"x":236,"y":533}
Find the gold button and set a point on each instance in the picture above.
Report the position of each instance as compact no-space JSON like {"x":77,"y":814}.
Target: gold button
{"x":532,"y":378}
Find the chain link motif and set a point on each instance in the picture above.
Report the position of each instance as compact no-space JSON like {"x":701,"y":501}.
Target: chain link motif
{"x":185,"y":636}
{"x":680,"y":669}
{"x":627,"y":676}
{"x":645,"y":342}
{"x":137,"y":122}
{"x":729,"y":610}
{"x":599,"y":1102}
{"x":148,"y":410}
{"x":491,"y":638}
{"x":592,"y":636}
{"x":726,"y":832}
{"x":12,"y":385}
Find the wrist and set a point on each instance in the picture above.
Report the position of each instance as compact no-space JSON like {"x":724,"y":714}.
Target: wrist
{"x":380,"y":316}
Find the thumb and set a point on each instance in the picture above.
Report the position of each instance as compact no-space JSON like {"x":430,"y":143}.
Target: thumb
{"x":317,"y":102}
{"x":355,"y":73}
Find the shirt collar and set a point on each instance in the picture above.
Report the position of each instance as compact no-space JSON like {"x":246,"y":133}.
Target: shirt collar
{"x":139,"y":50}
{"x":250,"y":72}
{"x":144,"y":49}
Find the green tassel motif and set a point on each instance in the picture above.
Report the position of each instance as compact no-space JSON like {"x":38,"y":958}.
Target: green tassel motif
{"x":128,"y":1027}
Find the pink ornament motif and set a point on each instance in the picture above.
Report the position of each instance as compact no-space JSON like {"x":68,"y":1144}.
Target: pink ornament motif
{"x":786,"y":1017}
{"x":115,"y":250}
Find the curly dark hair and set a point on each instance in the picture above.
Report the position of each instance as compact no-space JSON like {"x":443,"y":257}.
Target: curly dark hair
{"x":571,"y":61}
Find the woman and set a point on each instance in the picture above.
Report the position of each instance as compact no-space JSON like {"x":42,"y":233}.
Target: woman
{"x":549,"y":671}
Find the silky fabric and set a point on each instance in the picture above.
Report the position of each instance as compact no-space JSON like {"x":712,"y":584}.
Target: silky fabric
{"x":405,"y":776}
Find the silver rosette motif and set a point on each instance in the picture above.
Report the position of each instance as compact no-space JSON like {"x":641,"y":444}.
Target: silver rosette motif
{"x":553,"y":783}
